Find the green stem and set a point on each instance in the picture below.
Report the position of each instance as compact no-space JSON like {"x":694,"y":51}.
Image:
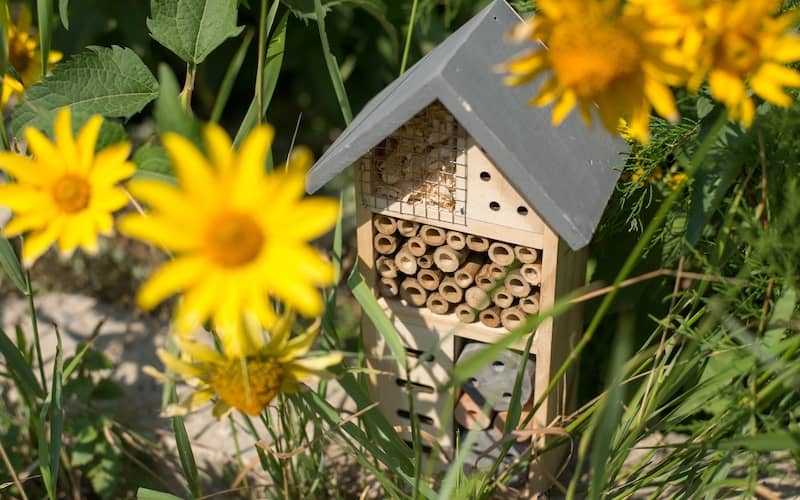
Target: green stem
{"x":12,"y":472}
{"x":262,"y":40}
{"x":638,"y":250}
{"x":410,"y":32}
{"x":188,"y":87}
{"x":35,"y":326}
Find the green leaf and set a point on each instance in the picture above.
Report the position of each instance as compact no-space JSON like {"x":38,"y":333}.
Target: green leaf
{"x":107,"y":389}
{"x":100,"y":80}
{"x":21,"y":370}
{"x":768,"y":441}
{"x":3,"y":40}
{"x":145,"y":494}
{"x":333,"y":66}
{"x":192,"y":29}
{"x":272,"y":68}
{"x":170,"y":115}
{"x":152,"y":158}
{"x":63,"y":12}
{"x":9,"y":263}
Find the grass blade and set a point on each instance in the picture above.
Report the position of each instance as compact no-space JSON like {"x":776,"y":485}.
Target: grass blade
{"x":44,"y":10}
{"x":63,"y":12}
{"x":22,"y":371}
{"x":272,"y":68}
{"x":9,"y":263}
{"x":230,"y":76}
{"x":50,"y":443}
{"x":333,"y":66}
{"x":186,"y":455}
{"x":375,"y":312}
{"x":146,"y":494}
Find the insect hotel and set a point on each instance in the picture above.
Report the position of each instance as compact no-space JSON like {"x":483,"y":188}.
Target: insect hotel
{"x":472,"y":211}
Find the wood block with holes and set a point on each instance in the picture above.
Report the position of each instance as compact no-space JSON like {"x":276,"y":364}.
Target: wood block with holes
{"x":454,"y":173}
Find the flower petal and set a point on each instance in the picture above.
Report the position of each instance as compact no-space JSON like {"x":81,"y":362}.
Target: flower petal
{"x":87,"y":139}
{"x":219,"y":147}
{"x":191,"y":168}
{"x":172,"y":277}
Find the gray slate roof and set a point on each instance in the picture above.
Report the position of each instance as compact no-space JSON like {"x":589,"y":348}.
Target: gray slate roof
{"x":565,"y":173}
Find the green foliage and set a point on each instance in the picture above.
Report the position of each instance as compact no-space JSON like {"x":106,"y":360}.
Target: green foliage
{"x":113,"y":82}
{"x":192,"y":29}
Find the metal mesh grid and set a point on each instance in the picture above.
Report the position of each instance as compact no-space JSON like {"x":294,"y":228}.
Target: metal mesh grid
{"x":420,"y":170}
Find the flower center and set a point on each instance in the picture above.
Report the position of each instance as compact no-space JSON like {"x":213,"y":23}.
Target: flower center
{"x":234,"y":239}
{"x":20,"y":54}
{"x":589,"y":56}
{"x":253,"y":394}
{"x":738,"y":52}
{"x":71,"y":193}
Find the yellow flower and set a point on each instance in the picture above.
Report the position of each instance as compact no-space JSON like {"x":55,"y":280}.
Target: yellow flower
{"x":676,"y":180}
{"x":250,"y":380}
{"x":66,"y":193}
{"x":736,"y":44}
{"x":24,"y":53}
{"x":599,"y":53}
{"x":239,"y":235}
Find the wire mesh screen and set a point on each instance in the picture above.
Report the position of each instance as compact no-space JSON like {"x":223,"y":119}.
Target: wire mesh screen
{"x":420,"y":169}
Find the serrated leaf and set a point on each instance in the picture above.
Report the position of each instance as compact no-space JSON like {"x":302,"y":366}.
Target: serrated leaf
{"x":152,"y":158}
{"x":100,"y":80}
{"x":192,"y":29}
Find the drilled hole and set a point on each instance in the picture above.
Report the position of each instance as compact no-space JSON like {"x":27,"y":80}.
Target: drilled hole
{"x":494,"y":206}
{"x":522,"y":210}
{"x":422,"y":418}
{"x":415,"y":386}
{"x":486,"y":176}
{"x":506,"y":395}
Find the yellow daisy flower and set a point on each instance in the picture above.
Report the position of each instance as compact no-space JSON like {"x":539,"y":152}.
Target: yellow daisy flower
{"x":599,"y":53}
{"x":66,"y":193}
{"x":250,"y":380}
{"x":735,"y":44}
{"x":24,"y":53}
{"x":238,"y":234}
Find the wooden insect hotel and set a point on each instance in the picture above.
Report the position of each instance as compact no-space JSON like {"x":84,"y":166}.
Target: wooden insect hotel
{"x":472,"y":211}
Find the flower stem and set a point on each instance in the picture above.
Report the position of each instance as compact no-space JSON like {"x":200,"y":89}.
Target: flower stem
{"x":35,"y":327}
{"x":188,"y":87}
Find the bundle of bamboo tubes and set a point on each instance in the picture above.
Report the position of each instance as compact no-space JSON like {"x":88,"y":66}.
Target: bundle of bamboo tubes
{"x":475,"y":278}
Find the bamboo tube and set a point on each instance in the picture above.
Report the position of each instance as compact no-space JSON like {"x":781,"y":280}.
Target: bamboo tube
{"x":485,"y":282}
{"x":386,"y":267}
{"x":502,"y":297}
{"x":530,"y":304}
{"x":517,"y":285}
{"x":477,"y":243}
{"x":477,"y":298}
{"x":412,"y":292}
{"x":437,"y":304}
{"x":526,"y":255}
{"x":385,"y":244}
{"x":532,"y":273}
{"x":501,"y":253}
{"x":407,"y":228}
{"x":512,"y":317}
{"x":417,"y":246}
{"x":497,"y":272}
{"x":389,"y":287}
{"x":456,"y":239}
{"x":465,"y":275}
{"x":425,"y":261}
{"x":490,"y":317}
{"x":405,"y":261}
{"x":465,"y":313}
{"x":385,"y":224}
{"x":448,"y":259}
{"x":430,"y":279}
{"x":432,"y":235}
{"x":451,"y":291}
{"x":469,"y":412}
